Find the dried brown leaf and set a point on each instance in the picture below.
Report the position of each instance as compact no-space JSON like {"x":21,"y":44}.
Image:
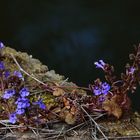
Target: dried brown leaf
{"x":73,"y":110}
{"x":112,"y":108}
{"x":58,"y":92}
{"x":66,"y":103}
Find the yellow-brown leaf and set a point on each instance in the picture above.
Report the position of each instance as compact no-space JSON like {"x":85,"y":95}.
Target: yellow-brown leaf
{"x":58,"y":92}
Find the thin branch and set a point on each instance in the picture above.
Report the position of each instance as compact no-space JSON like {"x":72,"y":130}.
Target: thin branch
{"x":31,"y":76}
{"x":7,"y":127}
{"x":123,"y":138}
{"x":60,"y":132}
{"x":95,"y":123}
{"x":21,"y":69}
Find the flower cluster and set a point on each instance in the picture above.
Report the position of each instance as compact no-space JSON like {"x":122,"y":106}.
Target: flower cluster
{"x":101,"y":64}
{"x":8,"y":93}
{"x":24,"y":92}
{"x":22,"y":102}
{"x":19,"y":75}
{"x":102,"y":88}
{"x":117,"y":87}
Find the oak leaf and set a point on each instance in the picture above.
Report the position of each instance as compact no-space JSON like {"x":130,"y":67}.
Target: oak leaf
{"x":112,"y":108}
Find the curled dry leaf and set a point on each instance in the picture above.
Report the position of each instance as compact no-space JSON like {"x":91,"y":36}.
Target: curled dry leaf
{"x":58,"y":92}
{"x":70,"y":118}
{"x":112,"y":108}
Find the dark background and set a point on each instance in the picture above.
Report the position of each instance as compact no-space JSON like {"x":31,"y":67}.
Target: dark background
{"x":69,"y":35}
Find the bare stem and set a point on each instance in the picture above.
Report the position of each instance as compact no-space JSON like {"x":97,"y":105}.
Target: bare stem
{"x":94,"y":123}
{"x":21,"y":69}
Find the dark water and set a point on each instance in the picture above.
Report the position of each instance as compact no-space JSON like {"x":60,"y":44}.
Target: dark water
{"x":69,"y":35}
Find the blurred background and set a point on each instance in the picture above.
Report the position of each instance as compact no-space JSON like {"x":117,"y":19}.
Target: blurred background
{"x":70,"y":35}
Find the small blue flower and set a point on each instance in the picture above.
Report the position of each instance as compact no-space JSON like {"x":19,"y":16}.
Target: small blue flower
{"x":100,"y":64}
{"x":13,"y":118}
{"x":7,"y":74}
{"x":9,"y":93}
{"x":19,"y":75}
{"x":24,"y":92}
{"x":2,"y":67}
{"x":97,"y":91}
{"x":1,"y":45}
{"x":105,"y":88}
{"x":40,"y":103}
{"x":101,"y":98}
{"x":132,"y":70}
{"x":20,"y":111}
{"x":22,"y":103}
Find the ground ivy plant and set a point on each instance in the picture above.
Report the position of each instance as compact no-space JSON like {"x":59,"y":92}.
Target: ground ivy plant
{"x":109,"y":97}
{"x":15,"y":99}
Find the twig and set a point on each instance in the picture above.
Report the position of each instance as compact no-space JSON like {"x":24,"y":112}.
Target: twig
{"x":74,"y":127}
{"x":86,"y":131}
{"x":122,"y":138}
{"x":60,"y":132}
{"x":7,"y":127}
{"x":21,"y":69}
{"x":95,"y":123}
{"x":4,"y":138}
{"x":74,"y":87}
{"x":64,"y":81}
{"x":37,"y":92}
{"x":93,"y":132}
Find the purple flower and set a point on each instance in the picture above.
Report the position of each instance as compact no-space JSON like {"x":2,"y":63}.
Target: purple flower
{"x":24,"y":92}
{"x":132,"y":70}
{"x":22,"y":103}
{"x":19,"y":75}
{"x":105,"y":88}
{"x":101,"y":89}
{"x":7,"y":74}
{"x":1,"y":45}
{"x":101,"y":98}
{"x":13,"y":118}
{"x":2,"y":67}
{"x":100,"y":64}
{"x":97,"y":91}
{"x":40,"y":103}
{"x":20,"y":111}
{"x":9,"y":93}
